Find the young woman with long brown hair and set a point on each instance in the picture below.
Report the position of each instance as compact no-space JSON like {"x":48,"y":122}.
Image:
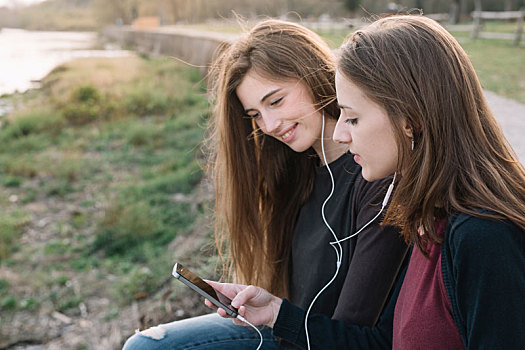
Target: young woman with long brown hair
{"x":411,"y":103}
{"x":280,"y":182}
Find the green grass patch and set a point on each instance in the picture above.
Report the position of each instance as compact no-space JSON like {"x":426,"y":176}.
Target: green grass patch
{"x":11,"y":228}
{"x":500,"y":65}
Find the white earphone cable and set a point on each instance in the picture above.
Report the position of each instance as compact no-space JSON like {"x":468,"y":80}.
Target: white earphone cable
{"x":258,"y":331}
{"x":338,"y":249}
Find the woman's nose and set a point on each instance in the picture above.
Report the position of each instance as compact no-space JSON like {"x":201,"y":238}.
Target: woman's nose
{"x":341,"y":132}
{"x":272,"y":123}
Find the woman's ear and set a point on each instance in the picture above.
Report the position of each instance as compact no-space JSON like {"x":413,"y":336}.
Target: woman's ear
{"x":407,"y":129}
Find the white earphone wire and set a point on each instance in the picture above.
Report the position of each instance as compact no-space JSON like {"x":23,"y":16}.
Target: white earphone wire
{"x":338,"y":250}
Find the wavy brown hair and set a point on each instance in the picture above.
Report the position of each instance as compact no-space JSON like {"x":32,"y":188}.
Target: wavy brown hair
{"x":461,"y":162}
{"x":260,"y":182}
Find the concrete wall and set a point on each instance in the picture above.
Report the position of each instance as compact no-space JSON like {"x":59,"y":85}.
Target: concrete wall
{"x":192,"y":46}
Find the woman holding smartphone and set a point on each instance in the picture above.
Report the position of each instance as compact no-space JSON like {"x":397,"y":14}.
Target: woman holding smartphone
{"x":411,"y":103}
{"x":285,"y":191}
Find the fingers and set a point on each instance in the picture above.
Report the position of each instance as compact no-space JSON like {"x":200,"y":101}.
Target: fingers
{"x":228,"y":289}
{"x":209,"y":304}
{"x":222,"y":313}
{"x":245,"y":295}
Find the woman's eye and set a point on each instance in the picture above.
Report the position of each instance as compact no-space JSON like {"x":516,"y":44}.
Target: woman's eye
{"x":276,"y":102}
{"x":252,"y":115}
{"x":351,"y":121}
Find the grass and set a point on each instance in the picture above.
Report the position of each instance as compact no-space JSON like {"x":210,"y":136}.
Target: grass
{"x":100,"y":151}
{"x":500,"y":65}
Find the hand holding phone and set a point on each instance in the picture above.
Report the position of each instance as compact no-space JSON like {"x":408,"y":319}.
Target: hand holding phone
{"x":197,"y":284}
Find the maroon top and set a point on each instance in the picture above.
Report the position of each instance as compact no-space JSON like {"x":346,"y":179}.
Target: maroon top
{"x":423,"y":315}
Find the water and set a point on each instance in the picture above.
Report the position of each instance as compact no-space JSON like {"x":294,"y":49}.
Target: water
{"x":28,"y":56}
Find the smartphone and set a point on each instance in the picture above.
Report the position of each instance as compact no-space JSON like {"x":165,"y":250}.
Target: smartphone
{"x":197,"y":284}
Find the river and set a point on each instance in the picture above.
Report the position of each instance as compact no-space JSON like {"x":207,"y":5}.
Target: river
{"x":28,"y":56}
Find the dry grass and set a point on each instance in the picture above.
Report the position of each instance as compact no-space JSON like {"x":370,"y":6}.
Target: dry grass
{"x":104,"y":73}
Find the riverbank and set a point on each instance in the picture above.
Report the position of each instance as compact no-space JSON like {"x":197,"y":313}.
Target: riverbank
{"x":100,"y":192}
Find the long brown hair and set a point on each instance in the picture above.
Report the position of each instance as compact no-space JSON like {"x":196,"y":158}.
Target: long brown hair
{"x":461,"y":162}
{"x":260,"y":182}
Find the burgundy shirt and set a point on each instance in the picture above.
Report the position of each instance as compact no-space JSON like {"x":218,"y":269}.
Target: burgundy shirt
{"x":423,"y":315}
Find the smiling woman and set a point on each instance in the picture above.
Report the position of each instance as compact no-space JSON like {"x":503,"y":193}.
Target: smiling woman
{"x":285,"y":110}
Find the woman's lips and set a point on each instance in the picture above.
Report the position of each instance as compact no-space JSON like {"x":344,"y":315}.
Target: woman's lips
{"x":289,"y":134}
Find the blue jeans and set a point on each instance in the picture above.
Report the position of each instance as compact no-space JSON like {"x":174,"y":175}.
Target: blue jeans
{"x":203,"y":333}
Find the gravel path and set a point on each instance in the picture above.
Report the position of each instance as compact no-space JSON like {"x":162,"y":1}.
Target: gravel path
{"x":511,"y":116}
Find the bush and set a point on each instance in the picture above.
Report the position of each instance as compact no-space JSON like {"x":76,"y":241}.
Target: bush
{"x":182,"y":180}
{"x":59,"y":187}
{"x":9,"y":303}
{"x":145,"y":101}
{"x":4,"y":286}
{"x":124,"y":227}
{"x":35,"y":121}
{"x":11,"y":227}
{"x":20,"y":166}
{"x":82,"y":113}
{"x":86,"y":94}
{"x":31,"y":143}
{"x":29,"y":304}
{"x":12,"y":181}
{"x":144,"y":134}
{"x":138,"y":283}
{"x":69,"y":303}
{"x":86,"y":104}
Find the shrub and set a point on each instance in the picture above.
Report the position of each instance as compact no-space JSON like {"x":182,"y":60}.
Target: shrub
{"x":4,"y":286}
{"x":143,"y":134}
{"x":183,"y":180}
{"x":12,"y":181}
{"x":146,"y":100}
{"x":82,"y":113}
{"x":86,"y":94}
{"x":25,"y":145}
{"x":20,"y":166}
{"x":58,"y":187}
{"x":124,"y":227}
{"x":35,"y":121}
{"x":69,"y":303}
{"x":86,"y":104}
{"x":29,"y":304}
{"x":139,"y":282}
{"x":11,"y":227}
{"x":9,"y":303}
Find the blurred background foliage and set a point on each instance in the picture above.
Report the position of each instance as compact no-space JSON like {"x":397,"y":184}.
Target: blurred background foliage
{"x":93,"y":14}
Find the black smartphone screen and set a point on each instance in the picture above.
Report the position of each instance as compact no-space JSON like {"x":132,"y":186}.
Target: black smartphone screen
{"x":196,"y":283}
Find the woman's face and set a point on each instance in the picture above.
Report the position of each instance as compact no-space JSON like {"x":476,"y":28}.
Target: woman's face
{"x":282,"y":109}
{"x":366,"y":128}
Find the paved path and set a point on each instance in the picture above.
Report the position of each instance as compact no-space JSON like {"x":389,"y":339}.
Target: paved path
{"x":511,"y":117}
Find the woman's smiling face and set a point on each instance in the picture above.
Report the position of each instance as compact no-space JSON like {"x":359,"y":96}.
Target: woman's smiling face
{"x":365,"y":127}
{"x":282,"y":109}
